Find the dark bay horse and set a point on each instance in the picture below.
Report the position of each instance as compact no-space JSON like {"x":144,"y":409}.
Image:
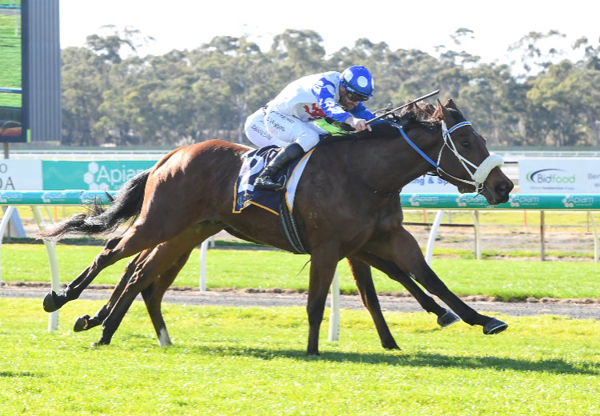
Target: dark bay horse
{"x":347,"y":205}
{"x":168,"y":259}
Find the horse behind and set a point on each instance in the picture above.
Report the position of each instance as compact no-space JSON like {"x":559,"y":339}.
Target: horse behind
{"x":347,"y":205}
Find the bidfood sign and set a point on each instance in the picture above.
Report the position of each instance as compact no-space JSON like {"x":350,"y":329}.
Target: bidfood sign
{"x":107,"y":175}
{"x":559,"y":176}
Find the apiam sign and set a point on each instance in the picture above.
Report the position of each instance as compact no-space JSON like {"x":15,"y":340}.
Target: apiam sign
{"x":559,"y":176}
{"x":95,"y":175}
{"x":107,"y":175}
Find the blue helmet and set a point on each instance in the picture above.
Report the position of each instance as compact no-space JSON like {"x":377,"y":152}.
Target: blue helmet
{"x":358,"y":79}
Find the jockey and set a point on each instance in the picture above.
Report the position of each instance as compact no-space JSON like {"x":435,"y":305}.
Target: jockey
{"x":287,"y":120}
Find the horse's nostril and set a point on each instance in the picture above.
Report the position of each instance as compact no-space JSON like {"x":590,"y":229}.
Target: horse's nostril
{"x":503,"y":189}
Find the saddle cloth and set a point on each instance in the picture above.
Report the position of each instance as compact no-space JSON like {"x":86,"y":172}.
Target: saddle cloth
{"x":254,"y":162}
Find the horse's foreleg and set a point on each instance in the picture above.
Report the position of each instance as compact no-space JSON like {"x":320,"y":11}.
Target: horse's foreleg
{"x":427,"y":277}
{"x":364,"y":282}
{"x":322,"y":269}
{"x":138,"y":282}
{"x":444,"y":316}
{"x":409,"y":258}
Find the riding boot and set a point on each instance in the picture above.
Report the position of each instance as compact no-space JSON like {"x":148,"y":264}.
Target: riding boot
{"x":266,"y":180}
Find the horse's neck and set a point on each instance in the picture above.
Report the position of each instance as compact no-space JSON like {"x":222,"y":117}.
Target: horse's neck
{"x":391,"y":163}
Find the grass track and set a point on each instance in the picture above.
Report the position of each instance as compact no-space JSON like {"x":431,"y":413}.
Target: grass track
{"x":251,"y":361}
{"x":515,"y":279}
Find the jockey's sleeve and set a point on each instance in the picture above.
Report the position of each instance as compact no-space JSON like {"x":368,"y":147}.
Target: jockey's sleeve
{"x":324,"y":91}
{"x":360,"y":111}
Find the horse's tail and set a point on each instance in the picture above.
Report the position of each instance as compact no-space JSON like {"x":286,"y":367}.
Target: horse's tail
{"x":126,"y":204}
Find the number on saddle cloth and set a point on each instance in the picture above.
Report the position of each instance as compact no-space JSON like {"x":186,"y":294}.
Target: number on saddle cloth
{"x":245,"y":193}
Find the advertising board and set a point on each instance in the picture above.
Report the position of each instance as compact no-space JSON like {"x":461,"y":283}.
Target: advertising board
{"x":559,"y":176}
{"x":20,"y":175}
{"x":104,"y":175}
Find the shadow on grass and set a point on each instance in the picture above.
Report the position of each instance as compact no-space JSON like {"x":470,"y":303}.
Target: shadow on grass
{"x":555,"y":366}
{"x":10,"y":374}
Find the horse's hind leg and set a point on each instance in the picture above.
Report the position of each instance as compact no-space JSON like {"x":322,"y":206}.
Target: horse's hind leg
{"x":153,"y":296}
{"x":142,"y":235}
{"x":84,"y":322}
{"x":444,"y":316}
{"x":364,"y":282}
{"x":54,"y":301}
{"x":168,"y":257}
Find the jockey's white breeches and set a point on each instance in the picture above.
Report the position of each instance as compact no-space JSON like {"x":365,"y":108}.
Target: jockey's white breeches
{"x":270,"y":127}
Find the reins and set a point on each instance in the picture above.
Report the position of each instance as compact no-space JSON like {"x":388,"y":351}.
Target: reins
{"x":477,"y":174}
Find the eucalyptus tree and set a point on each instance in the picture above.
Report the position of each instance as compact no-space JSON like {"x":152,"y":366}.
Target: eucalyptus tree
{"x":82,"y":87}
{"x":111,"y":96}
{"x":233,"y":79}
{"x":496,"y":103}
{"x":557,"y":96}
{"x":300,"y":51}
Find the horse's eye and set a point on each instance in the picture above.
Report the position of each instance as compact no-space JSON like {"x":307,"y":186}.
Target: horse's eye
{"x":465,"y":143}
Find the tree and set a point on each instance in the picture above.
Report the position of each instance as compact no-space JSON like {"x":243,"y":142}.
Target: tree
{"x":555,"y":94}
{"x":536,"y":52}
{"x":82,"y":86}
{"x":186,"y":96}
{"x":495,"y":104}
{"x":109,"y":46}
{"x":302,"y":49}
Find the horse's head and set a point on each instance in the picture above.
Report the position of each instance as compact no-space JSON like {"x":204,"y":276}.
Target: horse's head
{"x":464,"y":159}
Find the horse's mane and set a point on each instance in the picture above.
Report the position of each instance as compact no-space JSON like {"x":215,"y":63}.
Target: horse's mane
{"x":416,"y":115}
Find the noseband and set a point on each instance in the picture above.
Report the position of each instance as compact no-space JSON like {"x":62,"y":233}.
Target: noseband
{"x":478,"y":174}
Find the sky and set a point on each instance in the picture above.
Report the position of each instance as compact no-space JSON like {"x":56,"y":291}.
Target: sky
{"x":416,"y":24}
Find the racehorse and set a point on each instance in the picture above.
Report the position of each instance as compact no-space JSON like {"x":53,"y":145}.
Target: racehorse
{"x":347,"y":204}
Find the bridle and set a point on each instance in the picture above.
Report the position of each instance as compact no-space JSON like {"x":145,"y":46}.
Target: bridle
{"x":478,"y":174}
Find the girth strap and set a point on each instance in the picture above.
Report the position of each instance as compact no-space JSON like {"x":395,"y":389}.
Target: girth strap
{"x":290,"y":229}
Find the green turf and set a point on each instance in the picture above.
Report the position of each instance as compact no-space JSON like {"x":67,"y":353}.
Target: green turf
{"x":252,"y":361}
{"x":239,"y":269}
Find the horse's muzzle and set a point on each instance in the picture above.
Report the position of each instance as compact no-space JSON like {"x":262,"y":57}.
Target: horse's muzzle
{"x":499,"y":191}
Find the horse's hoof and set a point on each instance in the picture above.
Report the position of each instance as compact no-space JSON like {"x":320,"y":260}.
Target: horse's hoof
{"x":50,"y":302}
{"x":81,"y":323}
{"x":447,"y":319}
{"x":99,"y":344}
{"x":390,"y":345}
{"x":494,"y":326}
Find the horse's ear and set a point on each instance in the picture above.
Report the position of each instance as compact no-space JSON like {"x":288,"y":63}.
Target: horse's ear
{"x":450,"y":104}
{"x":440,"y":111}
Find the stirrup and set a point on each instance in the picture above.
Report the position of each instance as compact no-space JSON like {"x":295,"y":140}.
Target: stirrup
{"x":268,"y":183}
